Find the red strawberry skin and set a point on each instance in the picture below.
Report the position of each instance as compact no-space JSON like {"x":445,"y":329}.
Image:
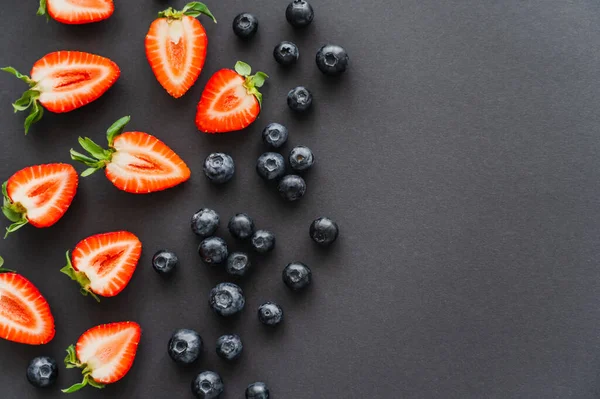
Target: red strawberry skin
{"x":75,"y":12}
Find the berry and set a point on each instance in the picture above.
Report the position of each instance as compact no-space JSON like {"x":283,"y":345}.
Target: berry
{"x":205,"y":222}
{"x":299,"y":99}
{"x":227,"y":299}
{"x":238,"y":264}
{"x":292,"y":187}
{"x":257,"y":390}
{"x":332,"y":59}
{"x":301,"y":158}
{"x":270,"y":166}
{"x":213,"y":250}
{"x":185,"y":346}
{"x":207,"y":385}
{"x":299,"y":13}
{"x":275,"y":135}
{"x":229,"y":347}
{"x":286,"y":53}
{"x":241,"y":226}
{"x":324,"y":231}
{"x":263,"y":241}
{"x":42,"y":371}
{"x":164,"y":262}
{"x":219,"y":167}
{"x":297,"y":276}
{"x":245,"y":25}
{"x":270,"y":314}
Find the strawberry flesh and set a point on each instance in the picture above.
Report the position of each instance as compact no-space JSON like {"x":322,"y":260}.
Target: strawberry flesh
{"x":76,"y":12}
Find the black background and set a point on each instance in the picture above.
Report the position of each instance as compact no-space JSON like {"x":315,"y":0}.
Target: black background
{"x":459,"y":154}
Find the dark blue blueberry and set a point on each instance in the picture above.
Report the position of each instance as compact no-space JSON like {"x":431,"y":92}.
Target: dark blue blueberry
{"x":42,"y":371}
{"x":205,"y":222}
{"x":164,"y":262}
{"x":299,"y":13}
{"x":245,"y":25}
{"x":324,"y":231}
{"x":207,"y":385}
{"x":332,"y":59}
{"x":301,"y":158}
{"x":229,"y":347}
{"x":297,"y":276}
{"x":213,"y":250}
{"x":292,"y":187}
{"x":241,"y":226}
{"x":238,"y":264}
{"x":299,"y":99}
{"x":219,"y":167}
{"x":270,"y":314}
{"x":286,"y":53}
{"x":275,"y":135}
{"x":185,"y":346}
{"x":270,"y":166}
{"x":263,"y":241}
{"x":257,"y":390}
{"x":227,"y":299}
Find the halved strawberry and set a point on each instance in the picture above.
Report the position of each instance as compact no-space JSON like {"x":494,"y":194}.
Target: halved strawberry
{"x":63,"y":81}
{"x":105,"y":353}
{"x":231,"y":100}
{"x":25,"y":315}
{"x":135,"y":162}
{"x":176,"y":47}
{"x":76,"y":12}
{"x":39,"y":195}
{"x":104,"y":263}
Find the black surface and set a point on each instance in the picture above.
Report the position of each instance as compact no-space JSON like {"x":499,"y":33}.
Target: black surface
{"x":459,"y":155}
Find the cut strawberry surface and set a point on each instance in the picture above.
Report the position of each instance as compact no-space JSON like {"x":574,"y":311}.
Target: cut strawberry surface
{"x":135,"y":162}
{"x":63,"y":81}
{"x":105,"y":353}
{"x":231,"y":100}
{"x":104,"y":263}
{"x":76,"y":12}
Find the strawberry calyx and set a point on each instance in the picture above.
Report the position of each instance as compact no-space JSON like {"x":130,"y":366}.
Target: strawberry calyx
{"x":72,"y":362}
{"x":43,"y":10}
{"x":29,"y":99}
{"x":15,"y":212}
{"x":3,"y":270}
{"x":80,"y":277}
{"x":193,"y":9}
{"x":252,"y":82}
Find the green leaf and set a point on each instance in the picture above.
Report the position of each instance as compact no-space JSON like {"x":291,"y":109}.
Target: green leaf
{"x":258,"y":96}
{"x":71,"y":359}
{"x":26,"y":100}
{"x":77,"y":156}
{"x":19,"y":75}
{"x":15,"y":226}
{"x":43,"y":10}
{"x":89,"y":171}
{"x":195,"y":9}
{"x":95,"y":384}
{"x":242,"y":68}
{"x":92,"y":148}
{"x":36,"y":113}
{"x":76,"y":387}
{"x":258,"y":79}
{"x":116,"y":129}
{"x":4,"y":191}
{"x":81,"y":278}
{"x":11,"y":214}
{"x":3,"y":270}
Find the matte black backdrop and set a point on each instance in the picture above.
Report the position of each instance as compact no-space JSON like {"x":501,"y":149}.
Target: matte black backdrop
{"x":460,"y":155}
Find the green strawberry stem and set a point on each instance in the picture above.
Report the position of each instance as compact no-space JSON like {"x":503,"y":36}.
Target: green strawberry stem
{"x":43,"y":10}
{"x":193,"y":9}
{"x":15,"y":212}
{"x":72,"y":362}
{"x":3,"y":270}
{"x":29,"y":99}
{"x":252,"y":82}
{"x":80,"y":277}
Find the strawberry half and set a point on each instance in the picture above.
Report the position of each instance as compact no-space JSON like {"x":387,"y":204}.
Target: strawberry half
{"x":104,"y":263}
{"x":176,"y":47}
{"x":63,"y":81}
{"x":231,"y":100}
{"x":76,"y":12}
{"x":25,"y":315}
{"x":105,"y":353}
{"x":39,"y":195}
{"x":135,"y":162}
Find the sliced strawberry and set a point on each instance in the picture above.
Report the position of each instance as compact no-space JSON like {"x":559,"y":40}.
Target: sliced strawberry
{"x":63,"y":81}
{"x":76,"y":12}
{"x":105,"y":353}
{"x":135,"y":162}
{"x":104,"y":263}
{"x":176,"y":47}
{"x":39,"y":195}
{"x":231,"y":100}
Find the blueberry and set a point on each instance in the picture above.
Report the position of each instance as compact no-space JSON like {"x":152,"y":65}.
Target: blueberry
{"x":263,"y":241}
{"x":241,"y":226}
{"x":292,"y":187}
{"x":185,"y":346}
{"x":299,"y":99}
{"x":227,"y":299}
{"x":164,"y":262}
{"x":257,"y":390}
{"x":238,"y":264}
{"x":324,"y":231}
{"x":286,"y":53}
{"x":207,"y":385}
{"x":229,"y":347}
{"x":270,"y":314}
{"x":332,"y":59}
{"x":42,"y":371}
{"x":301,"y":158}
{"x":213,"y":250}
{"x":245,"y":25}
{"x":299,"y":13}
{"x":275,"y":135}
{"x":297,"y":276}
{"x":205,"y":222}
{"x":270,"y":166}
{"x":219,"y":167}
